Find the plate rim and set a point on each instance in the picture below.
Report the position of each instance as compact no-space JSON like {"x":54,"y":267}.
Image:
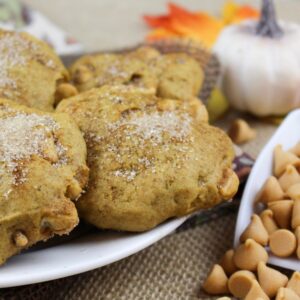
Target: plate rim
{"x":160,"y":232}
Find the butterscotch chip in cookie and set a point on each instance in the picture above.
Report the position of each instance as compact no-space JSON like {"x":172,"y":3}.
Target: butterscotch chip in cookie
{"x":227,"y":262}
{"x":294,"y":191}
{"x":271,"y":191}
{"x":256,"y":231}
{"x":294,"y":283}
{"x":216,"y":282}
{"x":240,"y":282}
{"x":65,"y":90}
{"x":267,"y":219}
{"x":296,"y":214}
{"x":224,"y":298}
{"x":282,"y":159}
{"x":248,"y":255}
{"x":256,"y":292}
{"x":20,"y":239}
{"x":283,"y":243}
{"x":282,"y":212}
{"x":286,"y":294}
{"x":289,"y":177}
{"x":270,"y":279}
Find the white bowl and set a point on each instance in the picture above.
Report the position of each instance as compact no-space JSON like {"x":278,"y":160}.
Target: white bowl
{"x":288,"y":134}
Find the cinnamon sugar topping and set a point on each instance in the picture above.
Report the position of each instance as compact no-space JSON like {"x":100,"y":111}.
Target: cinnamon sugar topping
{"x":23,"y":136}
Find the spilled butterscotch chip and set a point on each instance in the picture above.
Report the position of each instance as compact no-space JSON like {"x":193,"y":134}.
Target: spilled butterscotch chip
{"x":248,"y":255}
{"x":227,"y":262}
{"x":256,"y":292}
{"x":216,"y":282}
{"x":239,"y":283}
{"x":270,"y":279}
{"x":240,"y":132}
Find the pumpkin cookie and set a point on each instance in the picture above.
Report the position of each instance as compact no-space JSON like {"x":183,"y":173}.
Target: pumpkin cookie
{"x":148,"y":162}
{"x":113,"y":69}
{"x":42,"y":168}
{"x":176,"y":75}
{"x":30,"y":71}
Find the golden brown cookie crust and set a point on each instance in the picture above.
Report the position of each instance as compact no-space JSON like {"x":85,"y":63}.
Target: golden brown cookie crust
{"x":30,"y":70}
{"x":42,"y":167}
{"x":148,"y":163}
{"x":174,"y":76}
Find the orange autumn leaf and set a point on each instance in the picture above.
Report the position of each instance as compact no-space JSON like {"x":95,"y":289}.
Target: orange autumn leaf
{"x":199,"y":26}
{"x":181,"y":22}
{"x":234,"y":13}
{"x":160,"y":33}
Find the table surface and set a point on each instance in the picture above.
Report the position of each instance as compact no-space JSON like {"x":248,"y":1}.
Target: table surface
{"x":175,"y":267}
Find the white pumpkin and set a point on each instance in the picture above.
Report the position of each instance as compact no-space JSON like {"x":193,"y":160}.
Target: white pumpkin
{"x":261,"y":69}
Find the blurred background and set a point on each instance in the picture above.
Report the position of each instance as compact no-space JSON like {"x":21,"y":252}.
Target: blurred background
{"x":108,"y":24}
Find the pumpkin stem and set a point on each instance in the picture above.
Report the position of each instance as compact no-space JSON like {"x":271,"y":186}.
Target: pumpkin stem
{"x":267,"y":25}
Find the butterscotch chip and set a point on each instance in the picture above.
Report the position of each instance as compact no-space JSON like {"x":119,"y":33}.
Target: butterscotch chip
{"x":289,"y":177}
{"x":296,"y":149}
{"x":271,"y":191}
{"x":268,"y":221}
{"x":294,"y":191}
{"x":283,"y":243}
{"x":227,"y":262}
{"x":216,"y":282}
{"x":296,"y":214}
{"x":286,"y":294}
{"x":297,"y":234}
{"x":239,"y":284}
{"x":270,"y":279}
{"x":65,"y":90}
{"x":282,"y":212}
{"x":256,"y":292}
{"x":248,"y":255}
{"x":240,"y":132}
{"x":20,"y":239}
{"x":294,"y":283}
{"x":224,"y":298}
{"x":256,"y":231}
{"x":282,"y":159}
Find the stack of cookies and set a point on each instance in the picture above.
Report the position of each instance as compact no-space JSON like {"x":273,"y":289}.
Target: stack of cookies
{"x":127,"y":129}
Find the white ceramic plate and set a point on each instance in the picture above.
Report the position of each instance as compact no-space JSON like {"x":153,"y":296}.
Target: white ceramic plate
{"x":87,"y":252}
{"x":288,"y":134}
